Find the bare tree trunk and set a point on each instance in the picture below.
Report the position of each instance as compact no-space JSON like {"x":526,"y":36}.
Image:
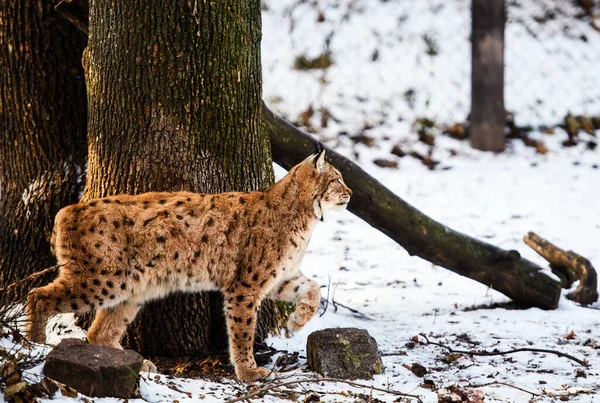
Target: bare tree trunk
{"x":42,"y":131}
{"x":504,"y":271}
{"x":174,"y":91}
{"x":487,"y":76}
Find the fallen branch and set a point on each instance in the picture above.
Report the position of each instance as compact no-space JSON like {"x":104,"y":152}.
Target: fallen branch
{"x":517,"y":350}
{"x":262,"y":391}
{"x":565,"y":262}
{"x":504,"y":384}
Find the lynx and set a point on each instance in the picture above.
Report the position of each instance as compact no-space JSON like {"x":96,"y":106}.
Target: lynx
{"x":121,"y":251}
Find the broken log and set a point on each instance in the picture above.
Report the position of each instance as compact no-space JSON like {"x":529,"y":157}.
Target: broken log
{"x":504,"y":271}
{"x":568,"y":264}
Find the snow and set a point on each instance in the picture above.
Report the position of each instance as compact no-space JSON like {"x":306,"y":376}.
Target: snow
{"x":550,"y":69}
{"x":496,"y":198}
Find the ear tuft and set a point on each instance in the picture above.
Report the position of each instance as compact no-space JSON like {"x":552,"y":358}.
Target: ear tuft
{"x":319,"y":161}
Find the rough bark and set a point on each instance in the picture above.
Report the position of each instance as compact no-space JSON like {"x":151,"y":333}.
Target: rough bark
{"x":174,"y":92}
{"x":568,"y":265}
{"x":487,"y":77}
{"x":42,"y":131}
{"x":504,"y":271}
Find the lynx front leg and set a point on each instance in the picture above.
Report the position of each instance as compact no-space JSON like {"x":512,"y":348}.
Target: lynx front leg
{"x":241,"y":310}
{"x":303,"y":292}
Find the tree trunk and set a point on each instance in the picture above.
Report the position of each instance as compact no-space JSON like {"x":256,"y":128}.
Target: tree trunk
{"x":174,"y":92}
{"x":42,"y":131}
{"x":504,"y":271}
{"x":487,"y":76}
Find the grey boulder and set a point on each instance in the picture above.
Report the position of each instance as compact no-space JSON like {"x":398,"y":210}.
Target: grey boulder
{"x":346,"y":353}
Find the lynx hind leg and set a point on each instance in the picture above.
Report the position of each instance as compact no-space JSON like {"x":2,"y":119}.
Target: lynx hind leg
{"x":61,"y":296}
{"x":110,"y":323}
{"x":241,"y":311}
{"x":37,"y":313}
{"x":304,"y":293}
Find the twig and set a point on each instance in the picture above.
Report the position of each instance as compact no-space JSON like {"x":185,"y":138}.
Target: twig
{"x":314,"y":380}
{"x":326,"y":301}
{"x":33,"y":276}
{"x":354,"y":311}
{"x":517,"y":350}
{"x":394,"y":354}
{"x":504,"y":384}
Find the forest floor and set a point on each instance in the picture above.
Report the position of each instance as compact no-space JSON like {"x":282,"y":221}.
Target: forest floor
{"x":361,"y":106}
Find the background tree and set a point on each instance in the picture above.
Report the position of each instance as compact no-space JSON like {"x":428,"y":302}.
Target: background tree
{"x":42,"y":131}
{"x":174,"y":92}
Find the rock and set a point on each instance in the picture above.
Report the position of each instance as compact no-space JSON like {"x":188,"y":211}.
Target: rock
{"x":94,"y":370}
{"x":346,"y":353}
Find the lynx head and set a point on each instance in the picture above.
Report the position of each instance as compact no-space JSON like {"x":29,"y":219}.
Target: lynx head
{"x":329,"y":190}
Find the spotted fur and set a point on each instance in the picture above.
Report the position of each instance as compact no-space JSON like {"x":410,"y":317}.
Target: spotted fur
{"x":121,"y":251}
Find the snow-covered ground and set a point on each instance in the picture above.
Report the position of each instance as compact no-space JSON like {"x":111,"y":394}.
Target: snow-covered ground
{"x":496,"y":198}
{"x":405,"y":59}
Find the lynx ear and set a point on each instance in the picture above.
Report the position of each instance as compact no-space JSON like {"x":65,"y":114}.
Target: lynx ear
{"x":319,"y":161}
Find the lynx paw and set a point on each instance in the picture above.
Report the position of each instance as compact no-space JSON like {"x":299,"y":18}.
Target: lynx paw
{"x":148,"y":366}
{"x":300,"y":317}
{"x":257,"y":375}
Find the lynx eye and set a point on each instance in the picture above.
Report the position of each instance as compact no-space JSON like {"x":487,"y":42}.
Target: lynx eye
{"x":339,"y":181}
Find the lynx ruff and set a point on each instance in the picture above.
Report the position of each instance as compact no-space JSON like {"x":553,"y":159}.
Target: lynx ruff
{"x":121,"y":251}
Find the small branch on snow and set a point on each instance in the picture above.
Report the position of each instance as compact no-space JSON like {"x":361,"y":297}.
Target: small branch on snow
{"x":354,"y":311}
{"x":266,"y":389}
{"x":517,"y":350}
{"x":504,"y":384}
{"x":335,"y":304}
{"x":325,"y":304}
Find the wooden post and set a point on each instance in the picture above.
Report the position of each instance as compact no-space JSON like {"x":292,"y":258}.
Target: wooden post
{"x":487,"y":76}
